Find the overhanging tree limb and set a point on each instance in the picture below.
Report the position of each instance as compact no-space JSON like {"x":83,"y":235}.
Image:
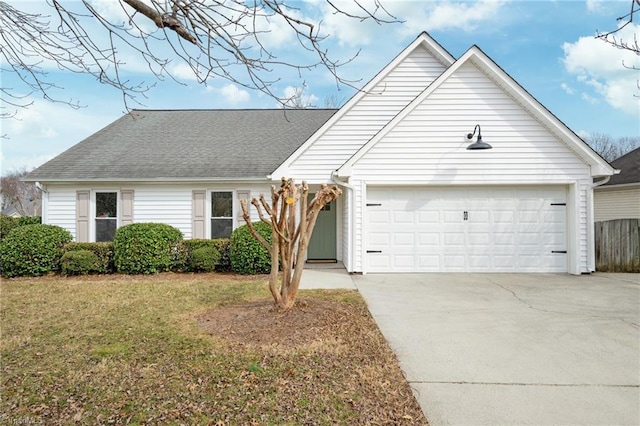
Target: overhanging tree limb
{"x":215,"y":39}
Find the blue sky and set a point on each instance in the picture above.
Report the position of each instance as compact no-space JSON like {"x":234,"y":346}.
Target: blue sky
{"x":547,"y":46}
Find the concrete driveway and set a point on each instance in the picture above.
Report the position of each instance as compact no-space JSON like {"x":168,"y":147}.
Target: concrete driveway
{"x":514,"y":349}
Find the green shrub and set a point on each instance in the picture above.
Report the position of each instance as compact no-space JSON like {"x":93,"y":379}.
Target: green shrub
{"x":103,"y":251}
{"x":79,"y":262}
{"x":223,"y":246}
{"x":204,"y":259}
{"x":145,"y":248}
{"x":184,"y":252}
{"x":29,"y":220}
{"x":248,"y":256}
{"x":7,"y":223}
{"x":32,"y":250}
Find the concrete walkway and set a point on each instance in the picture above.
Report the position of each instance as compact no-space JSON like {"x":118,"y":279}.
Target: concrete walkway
{"x":514,"y":349}
{"x":326,"y":278}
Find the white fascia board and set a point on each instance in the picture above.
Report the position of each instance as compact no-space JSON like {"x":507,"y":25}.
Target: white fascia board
{"x":154,"y":181}
{"x":423,"y":40}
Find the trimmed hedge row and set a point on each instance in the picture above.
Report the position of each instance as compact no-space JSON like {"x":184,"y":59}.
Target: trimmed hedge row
{"x":32,"y":250}
{"x":7,"y":223}
{"x":184,"y":255}
{"x":103,"y":251}
{"x":145,"y":248}
{"x":248,"y":256}
{"x":142,"y":248}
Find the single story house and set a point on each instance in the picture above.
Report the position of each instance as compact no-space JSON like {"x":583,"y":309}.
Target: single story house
{"x":415,"y":198}
{"x":619,"y":198}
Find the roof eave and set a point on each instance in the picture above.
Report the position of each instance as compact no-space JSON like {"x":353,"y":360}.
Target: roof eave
{"x":151,"y":180}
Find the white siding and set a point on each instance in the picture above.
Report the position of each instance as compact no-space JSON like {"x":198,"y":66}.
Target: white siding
{"x":162,"y":203}
{"x":428,"y":147}
{"x":616,"y":203}
{"x":61,"y":208}
{"x":367,"y":117}
{"x":170,"y":205}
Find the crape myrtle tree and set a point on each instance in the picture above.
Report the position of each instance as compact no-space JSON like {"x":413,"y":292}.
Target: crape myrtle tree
{"x":214,"y":39}
{"x":292,"y":219}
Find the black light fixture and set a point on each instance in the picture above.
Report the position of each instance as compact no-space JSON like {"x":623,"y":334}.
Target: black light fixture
{"x":478,"y":144}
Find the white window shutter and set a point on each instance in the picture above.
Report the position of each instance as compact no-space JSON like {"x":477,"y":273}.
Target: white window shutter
{"x":198,"y":214}
{"x":242,"y":195}
{"x":126,"y":207}
{"x":83,"y":199}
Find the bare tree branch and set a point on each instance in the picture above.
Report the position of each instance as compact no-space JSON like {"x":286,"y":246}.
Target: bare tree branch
{"x":215,"y":39}
{"x":612,"y":38}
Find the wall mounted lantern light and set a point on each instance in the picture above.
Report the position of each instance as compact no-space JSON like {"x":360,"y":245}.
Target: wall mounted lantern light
{"x":478,"y":144}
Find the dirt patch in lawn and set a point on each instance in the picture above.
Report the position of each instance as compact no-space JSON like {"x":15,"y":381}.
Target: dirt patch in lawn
{"x":263,"y":324}
{"x":337,"y":348}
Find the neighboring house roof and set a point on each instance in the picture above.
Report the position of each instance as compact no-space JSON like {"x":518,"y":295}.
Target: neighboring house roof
{"x":599,"y":167}
{"x":186,"y":144}
{"x":629,"y":165}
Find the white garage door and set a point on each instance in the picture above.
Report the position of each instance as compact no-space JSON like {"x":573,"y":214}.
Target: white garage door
{"x":465,"y":229}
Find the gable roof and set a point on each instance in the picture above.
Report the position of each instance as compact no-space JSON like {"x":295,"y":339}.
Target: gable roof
{"x":599,"y":167}
{"x":186,"y":144}
{"x":423,"y":40}
{"x":629,"y":165}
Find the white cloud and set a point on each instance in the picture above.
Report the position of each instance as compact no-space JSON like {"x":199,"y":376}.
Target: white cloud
{"x":583,"y":134}
{"x":453,"y":15}
{"x":594,"y":6}
{"x":43,"y":130}
{"x":417,"y":17}
{"x":599,"y":66}
{"x":182,"y":71}
{"x":298,"y":96}
{"x":567,"y":88}
{"x":233,"y":95}
{"x":588,"y":98}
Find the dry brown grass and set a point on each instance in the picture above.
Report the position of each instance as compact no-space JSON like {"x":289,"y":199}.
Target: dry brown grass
{"x":192,"y":349}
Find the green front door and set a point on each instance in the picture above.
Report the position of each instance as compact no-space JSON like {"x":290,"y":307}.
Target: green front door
{"x":323,"y":241}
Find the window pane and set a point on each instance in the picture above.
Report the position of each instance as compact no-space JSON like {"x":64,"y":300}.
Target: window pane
{"x":221,"y":204}
{"x":106,"y":204}
{"x":221,"y":228}
{"x":105,"y":229}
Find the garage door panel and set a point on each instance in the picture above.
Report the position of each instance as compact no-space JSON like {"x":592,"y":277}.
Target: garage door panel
{"x":428,"y":217}
{"x":428,"y":240}
{"x":404,"y":239}
{"x":429,"y":263}
{"x":505,"y":229}
{"x":501,"y":216}
{"x":401,"y":217}
{"x":379,"y":217}
{"x":380,"y":239}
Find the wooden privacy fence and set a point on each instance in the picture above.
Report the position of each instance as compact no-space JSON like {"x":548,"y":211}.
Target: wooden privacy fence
{"x":618,"y":245}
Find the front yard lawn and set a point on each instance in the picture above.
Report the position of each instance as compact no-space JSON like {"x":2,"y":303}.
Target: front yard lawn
{"x":192,"y":349}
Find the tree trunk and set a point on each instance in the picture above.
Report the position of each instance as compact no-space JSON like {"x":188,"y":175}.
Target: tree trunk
{"x":291,"y":233}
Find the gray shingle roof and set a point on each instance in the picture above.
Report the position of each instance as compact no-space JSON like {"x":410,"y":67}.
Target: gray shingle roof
{"x":629,"y":165}
{"x":185,"y":144}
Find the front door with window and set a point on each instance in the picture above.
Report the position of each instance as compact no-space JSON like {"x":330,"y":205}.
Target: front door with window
{"x":106,"y":215}
{"x":322,"y":246}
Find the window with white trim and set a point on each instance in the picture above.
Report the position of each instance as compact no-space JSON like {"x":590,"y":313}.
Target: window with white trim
{"x":106,"y":220}
{"x":221,"y":214}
